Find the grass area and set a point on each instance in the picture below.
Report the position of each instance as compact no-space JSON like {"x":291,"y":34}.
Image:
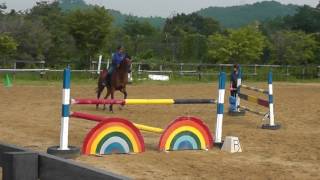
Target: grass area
{"x":89,"y":79}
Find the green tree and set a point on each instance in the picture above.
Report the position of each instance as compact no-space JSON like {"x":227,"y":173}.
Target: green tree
{"x":293,"y":48}
{"x":139,"y":32}
{"x":133,"y":28}
{"x":318,"y":6}
{"x":89,"y":28}
{"x":306,"y":19}
{"x":243,"y":45}
{"x":32,"y":36}
{"x":192,"y":23}
{"x":8,"y":46}
{"x":34,"y":40}
{"x":194,"y":47}
{"x":54,"y":20}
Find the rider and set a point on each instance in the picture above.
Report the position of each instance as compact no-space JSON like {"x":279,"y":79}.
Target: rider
{"x":117,"y":58}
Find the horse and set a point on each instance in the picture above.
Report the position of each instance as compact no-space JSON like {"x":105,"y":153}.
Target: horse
{"x":119,"y":80}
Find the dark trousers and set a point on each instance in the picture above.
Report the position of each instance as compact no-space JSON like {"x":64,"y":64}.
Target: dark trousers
{"x":233,"y":93}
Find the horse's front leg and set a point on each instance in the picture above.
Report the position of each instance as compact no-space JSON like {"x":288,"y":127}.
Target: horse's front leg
{"x":112,"y":97}
{"x":106,"y":97}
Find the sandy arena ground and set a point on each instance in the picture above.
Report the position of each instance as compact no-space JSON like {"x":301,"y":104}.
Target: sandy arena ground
{"x":30,"y":117}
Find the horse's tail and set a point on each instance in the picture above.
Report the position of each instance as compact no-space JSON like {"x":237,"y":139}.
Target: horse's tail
{"x":101,"y":79}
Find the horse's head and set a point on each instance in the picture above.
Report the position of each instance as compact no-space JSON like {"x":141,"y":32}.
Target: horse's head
{"x":126,"y":64}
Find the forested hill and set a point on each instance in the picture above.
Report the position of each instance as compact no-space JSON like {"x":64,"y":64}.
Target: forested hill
{"x":119,"y":19}
{"x":230,"y":17}
{"x":237,"y":16}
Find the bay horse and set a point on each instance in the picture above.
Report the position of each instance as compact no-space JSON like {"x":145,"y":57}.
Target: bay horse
{"x":118,"y":82}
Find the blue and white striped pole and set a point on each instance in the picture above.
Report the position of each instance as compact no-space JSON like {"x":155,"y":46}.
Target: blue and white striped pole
{"x":65,"y":110}
{"x":272,"y":125}
{"x":220,"y":108}
{"x":271,"y":108}
{"x":238,"y":87}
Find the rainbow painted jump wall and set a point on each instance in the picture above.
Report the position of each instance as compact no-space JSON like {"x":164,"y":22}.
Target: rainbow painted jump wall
{"x":118,"y":135}
{"x":262,"y":102}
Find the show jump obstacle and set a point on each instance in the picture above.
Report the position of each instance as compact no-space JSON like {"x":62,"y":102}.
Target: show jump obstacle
{"x":262,"y":102}
{"x":118,"y":135}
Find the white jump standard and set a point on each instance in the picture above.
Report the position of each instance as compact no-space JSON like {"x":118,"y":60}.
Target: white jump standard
{"x":64,"y":150}
{"x":262,"y":102}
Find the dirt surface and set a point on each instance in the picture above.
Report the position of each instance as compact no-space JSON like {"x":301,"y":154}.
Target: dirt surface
{"x":30,"y":117}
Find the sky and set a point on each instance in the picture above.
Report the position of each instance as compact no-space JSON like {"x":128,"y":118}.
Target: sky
{"x":162,"y":8}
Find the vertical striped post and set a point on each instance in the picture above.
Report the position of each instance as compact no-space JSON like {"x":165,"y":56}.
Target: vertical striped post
{"x":220,"y":108}
{"x":108,"y":63}
{"x":238,"y":87}
{"x":99,"y":64}
{"x":65,"y":110}
{"x":272,"y":125}
{"x":271,"y":108}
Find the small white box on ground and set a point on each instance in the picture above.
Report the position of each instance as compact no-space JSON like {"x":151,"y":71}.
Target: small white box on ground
{"x":158,"y":77}
{"x":231,"y":144}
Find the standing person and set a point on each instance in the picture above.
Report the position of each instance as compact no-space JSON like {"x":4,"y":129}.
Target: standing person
{"x":234,"y":80}
{"x":234,"y":89}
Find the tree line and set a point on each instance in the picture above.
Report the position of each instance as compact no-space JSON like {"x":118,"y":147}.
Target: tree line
{"x":59,"y":35}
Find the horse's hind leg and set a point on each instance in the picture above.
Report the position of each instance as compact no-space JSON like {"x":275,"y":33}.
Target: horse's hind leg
{"x":106,"y":97}
{"x":125,"y":95}
{"x":99,"y":91}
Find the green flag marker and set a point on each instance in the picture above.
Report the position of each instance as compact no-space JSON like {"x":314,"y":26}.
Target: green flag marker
{"x":7,"y":81}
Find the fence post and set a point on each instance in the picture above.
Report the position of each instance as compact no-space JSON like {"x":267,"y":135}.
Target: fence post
{"x":199,"y":72}
{"x":42,"y":67}
{"x":255,"y":70}
{"x":99,"y":64}
{"x":14,"y":67}
{"x":139,"y":68}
